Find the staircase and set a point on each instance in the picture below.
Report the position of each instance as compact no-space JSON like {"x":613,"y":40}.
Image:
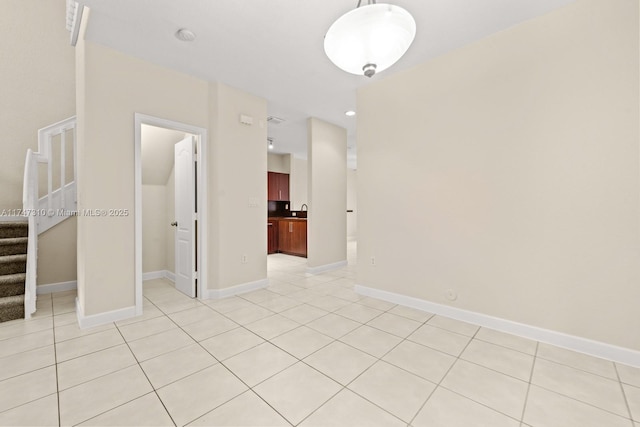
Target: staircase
{"x":13,"y":267}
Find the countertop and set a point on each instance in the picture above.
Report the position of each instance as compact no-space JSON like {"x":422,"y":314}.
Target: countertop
{"x":287,"y":218}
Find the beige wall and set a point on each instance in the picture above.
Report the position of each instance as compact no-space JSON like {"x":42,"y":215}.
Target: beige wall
{"x":352,"y":204}
{"x":278,"y":163}
{"x":154,"y":234}
{"x":298,"y":183}
{"x":326,"y":228}
{"x":37,"y":71}
{"x":238,"y":180}
{"x":508,"y":172}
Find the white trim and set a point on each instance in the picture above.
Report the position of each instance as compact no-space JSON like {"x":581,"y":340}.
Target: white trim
{"x":102,"y":318}
{"x":560,"y":339}
{"x":51,"y":288}
{"x":202,"y":196}
{"x":160,"y":274}
{"x":327,"y":267}
{"x":13,"y":218}
{"x":236,"y":290}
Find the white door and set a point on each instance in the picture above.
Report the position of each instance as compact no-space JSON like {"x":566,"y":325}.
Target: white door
{"x":185,"y":201}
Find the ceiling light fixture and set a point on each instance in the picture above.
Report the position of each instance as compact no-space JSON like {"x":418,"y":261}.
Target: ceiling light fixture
{"x":370,"y":38}
{"x":270,"y":143}
{"x":350,"y":113}
{"x":185,"y":35}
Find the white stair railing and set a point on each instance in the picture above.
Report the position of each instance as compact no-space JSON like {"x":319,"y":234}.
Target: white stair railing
{"x":58,"y":204}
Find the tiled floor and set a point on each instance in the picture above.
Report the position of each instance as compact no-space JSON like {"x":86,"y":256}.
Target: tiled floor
{"x":306,"y":351}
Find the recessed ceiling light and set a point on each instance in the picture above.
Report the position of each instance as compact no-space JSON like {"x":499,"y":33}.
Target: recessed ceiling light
{"x":185,"y":35}
{"x":350,"y":113}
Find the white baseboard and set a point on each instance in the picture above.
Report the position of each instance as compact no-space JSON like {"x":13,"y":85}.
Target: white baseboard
{"x":160,"y":274}
{"x":102,"y":318}
{"x":583,"y":345}
{"x":236,"y":290}
{"x":327,"y":267}
{"x":51,"y":288}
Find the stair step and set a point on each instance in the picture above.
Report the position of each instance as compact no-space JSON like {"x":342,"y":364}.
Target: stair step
{"x":12,"y":284}
{"x":13,"y":245}
{"x":13,"y":264}
{"x":11,"y":308}
{"x":14,"y":229}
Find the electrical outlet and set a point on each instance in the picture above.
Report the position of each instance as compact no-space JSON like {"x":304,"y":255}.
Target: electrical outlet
{"x":243,"y":259}
{"x":373,"y":260}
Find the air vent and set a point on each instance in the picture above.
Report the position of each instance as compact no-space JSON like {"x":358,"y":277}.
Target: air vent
{"x":273,"y":120}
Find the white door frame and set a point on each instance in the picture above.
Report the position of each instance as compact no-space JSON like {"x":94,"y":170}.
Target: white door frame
{"x":201,"y":194}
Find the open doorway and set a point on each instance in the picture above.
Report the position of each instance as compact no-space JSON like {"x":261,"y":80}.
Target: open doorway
{"x":170,"y":214}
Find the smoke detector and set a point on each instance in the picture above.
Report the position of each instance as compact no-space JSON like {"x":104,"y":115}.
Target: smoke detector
{"x":185,"y":35}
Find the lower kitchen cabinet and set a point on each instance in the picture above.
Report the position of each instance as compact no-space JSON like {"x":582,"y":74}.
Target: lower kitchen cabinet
{"x":292,"y":237}
{"x":272,"y":235}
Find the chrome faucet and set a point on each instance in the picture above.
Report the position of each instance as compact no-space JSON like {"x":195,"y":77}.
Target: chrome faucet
{"x":304,"y":205}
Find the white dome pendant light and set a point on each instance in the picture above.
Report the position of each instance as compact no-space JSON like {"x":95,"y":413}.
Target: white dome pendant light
{"x":370,"y":38}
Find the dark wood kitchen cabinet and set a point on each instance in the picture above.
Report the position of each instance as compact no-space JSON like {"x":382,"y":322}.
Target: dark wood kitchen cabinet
{"x":272,"y":237}
{"x":277,"y":186}
{"x":292,"y":237}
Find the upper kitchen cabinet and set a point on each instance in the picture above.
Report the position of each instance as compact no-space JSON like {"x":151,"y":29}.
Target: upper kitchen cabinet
{"x":278,"y":186}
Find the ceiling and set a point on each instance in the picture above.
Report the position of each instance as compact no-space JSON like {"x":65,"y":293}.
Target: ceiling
{"x":274,"y":48}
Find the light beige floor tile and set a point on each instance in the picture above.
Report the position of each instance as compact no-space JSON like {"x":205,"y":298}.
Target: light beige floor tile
{"x":41,"y":412}
{"x":194,"y":315}
{"x":340,"y":362}
{"x":173,"y":306}
{"x":215,"y":385}
{"x":328,"y":303}
{"x":297,"y":391}
{"x":279,"y":304}
{"x":589,"y":388}
{"x":143,"y":411}
{"x":395,"y":325}
{"x":177,"y":364}
{"x":576,"y":360}
{"x":447,"y":409}
{"x":26,"y":342}
{"x":65,"y":319}
{"x":248,"y":315}
{"x":72,"y":330}
{"x":208,"y":328}
{"x":501,"y":359}
{"x":149,"y":311}
{"x":304,"y":296}
{"x":87,"y":344}
{"x":548,"y":409}
{"x":231,"y":343}
{"x":359,"y":313}
{"x":377,"y":303}
{"x":259,"y":295}
{"x":493,"y":389}
{"x":16,"y":328}
{"x":440,"y":339}
{"x":146,"y":328}
{"x":301,"y":341}
{"x":303,"y":313}
{"x":259,"y":363}
{"x":410,"y":313}
{"x":333,"y":325}
{"x":513,"y":342}
{"x":26,"y":388}
{"x":244,"y":410}
{"x":64,"y":305}
{"x":633,"y":399}
{"x":21,"y":363}
{"x":158,"y":344}
{"x":348,"y":409}
{"x":453,"y":325}
{"x":226,"y":305}
{"x":283,"y":288}
{"x":347,"y":294}
{"x":393,"y":389}
{"x":82,"y":369}
{"x":272,"y":326}
{"x":370,"y":340}
{"x":629,"y":374}
{"x":420,"y":360}
{"x":89,"y":399}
